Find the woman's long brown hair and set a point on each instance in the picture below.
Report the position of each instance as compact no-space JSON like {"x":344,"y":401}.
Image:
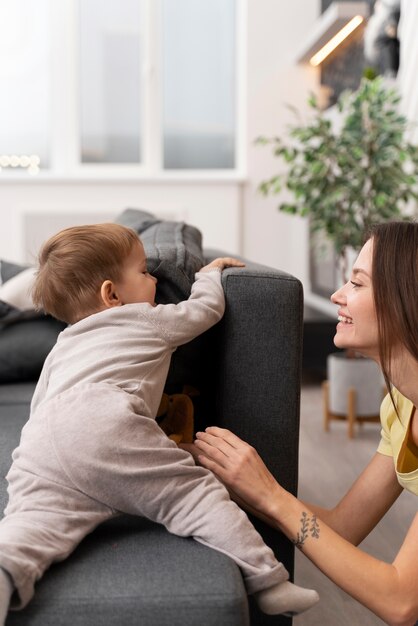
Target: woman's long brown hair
{"x":395,"y":289}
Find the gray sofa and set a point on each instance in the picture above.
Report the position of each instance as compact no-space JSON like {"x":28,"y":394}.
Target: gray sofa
{"x":131,"y":571}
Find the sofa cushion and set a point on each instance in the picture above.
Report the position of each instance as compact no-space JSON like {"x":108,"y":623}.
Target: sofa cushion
{"x":8,"y":270}
{"x":24,"y":345}
{"x":132,"y":571}
{"x":26,"y":336}
{"x":14,"y":412}
{"x":16,"y":394}
{"x":173,"y":249}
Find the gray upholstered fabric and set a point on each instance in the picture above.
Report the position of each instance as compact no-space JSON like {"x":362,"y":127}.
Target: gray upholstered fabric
{"x":26,"y":337}
{"x":9,"y":314}
{"x":8,"y":270}
{"x":131,"y":571}
{"x":260,"y":361}
{"x":14,"y":411}
{"x":24,"y":346}
{"x":257,"y":376}
{"x":247,"y":370}
{"x":173,"y":249}
{"x":21,"y":394}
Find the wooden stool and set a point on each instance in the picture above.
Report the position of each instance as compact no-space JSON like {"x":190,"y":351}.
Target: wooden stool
{"x":351,"y":416}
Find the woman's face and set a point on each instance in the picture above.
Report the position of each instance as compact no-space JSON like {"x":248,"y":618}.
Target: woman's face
{"x":357,"y":323}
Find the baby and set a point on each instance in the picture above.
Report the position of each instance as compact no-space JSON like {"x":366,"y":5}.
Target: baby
{"x":92,"y":448}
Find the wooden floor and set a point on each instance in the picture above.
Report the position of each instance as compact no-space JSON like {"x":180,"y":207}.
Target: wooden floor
{"x":329,"y":464}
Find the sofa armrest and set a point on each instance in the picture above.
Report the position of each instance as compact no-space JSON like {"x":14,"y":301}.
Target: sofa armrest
{"x":257,"y":376}
{"x":259,"y":364}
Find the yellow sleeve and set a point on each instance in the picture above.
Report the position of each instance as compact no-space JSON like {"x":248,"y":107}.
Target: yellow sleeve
{"x":386,"y":418}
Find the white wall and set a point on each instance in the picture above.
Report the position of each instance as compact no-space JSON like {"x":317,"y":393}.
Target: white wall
{"x":408,"y":70}
{"x":276,"y":32}
{"x":231,"y":213}
{"x":213,"y":207}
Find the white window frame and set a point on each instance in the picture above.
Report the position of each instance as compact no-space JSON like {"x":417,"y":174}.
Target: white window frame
{"x":65,"y":126}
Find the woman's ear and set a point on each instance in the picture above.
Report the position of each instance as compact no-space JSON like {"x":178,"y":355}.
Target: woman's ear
{"x":109,"y":294}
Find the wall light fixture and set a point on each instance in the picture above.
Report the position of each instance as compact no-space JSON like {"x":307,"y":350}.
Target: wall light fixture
{"x":331,"y":29}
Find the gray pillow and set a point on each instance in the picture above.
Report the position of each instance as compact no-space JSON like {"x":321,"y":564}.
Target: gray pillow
{"x":26,"y":337}
{"x":24,"y":346}
{"x":8,"y":270}
{"x":174,"y":255}
{"x":173,"y":249}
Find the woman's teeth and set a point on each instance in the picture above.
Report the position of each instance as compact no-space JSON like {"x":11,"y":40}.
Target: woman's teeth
{"x":345,"y":320}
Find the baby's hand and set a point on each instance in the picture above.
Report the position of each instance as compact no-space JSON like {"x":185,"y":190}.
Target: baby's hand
{"x":222,"y":263}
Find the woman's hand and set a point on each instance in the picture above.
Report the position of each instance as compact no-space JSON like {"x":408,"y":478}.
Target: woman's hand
{"x":389,"y":590}
{"x":191,"y":449}
{"x":238,"y":466}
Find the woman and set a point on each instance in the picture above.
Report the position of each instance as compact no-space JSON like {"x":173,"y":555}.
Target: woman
{"x":377,"y":311}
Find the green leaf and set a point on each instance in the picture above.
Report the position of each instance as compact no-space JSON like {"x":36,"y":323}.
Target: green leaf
{"x":264,"y":188}
{"x":288,"y":208}
{"x":346,"y":177}
{"x":312,"y":101}
{"x":381,"y":200}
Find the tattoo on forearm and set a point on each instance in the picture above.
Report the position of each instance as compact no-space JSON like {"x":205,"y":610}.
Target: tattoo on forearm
{"x":303,"y":534}
{"x":314,"y":527}
{"x":309,"y":526}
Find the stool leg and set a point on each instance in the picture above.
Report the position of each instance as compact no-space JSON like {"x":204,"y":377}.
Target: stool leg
{"x":325,"y":395}
{"x":351,"y":411}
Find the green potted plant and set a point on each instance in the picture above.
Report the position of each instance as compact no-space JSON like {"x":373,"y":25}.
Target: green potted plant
{"x":346,"y":176}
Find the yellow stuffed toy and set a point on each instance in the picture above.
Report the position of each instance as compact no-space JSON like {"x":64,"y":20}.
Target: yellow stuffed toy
{"x":176,"y":415}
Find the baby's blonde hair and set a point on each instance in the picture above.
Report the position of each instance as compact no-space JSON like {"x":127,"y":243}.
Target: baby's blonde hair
{"x":74,"y":263}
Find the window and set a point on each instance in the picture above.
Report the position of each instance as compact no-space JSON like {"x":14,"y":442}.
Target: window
{"x":25,"y":85}
{"x":146,"y":86}
{"x":110,"y":81}
{"x":198,"y":46}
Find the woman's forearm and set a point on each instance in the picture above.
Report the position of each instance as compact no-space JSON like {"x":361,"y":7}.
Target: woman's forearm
{"x":379,"y":586}
{"x":390,"y":591}
{"x":337,"y":521}
{"x":366,"y":502}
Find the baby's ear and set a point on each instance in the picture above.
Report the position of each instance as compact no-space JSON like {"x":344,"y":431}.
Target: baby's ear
{"x":109,"y":294}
